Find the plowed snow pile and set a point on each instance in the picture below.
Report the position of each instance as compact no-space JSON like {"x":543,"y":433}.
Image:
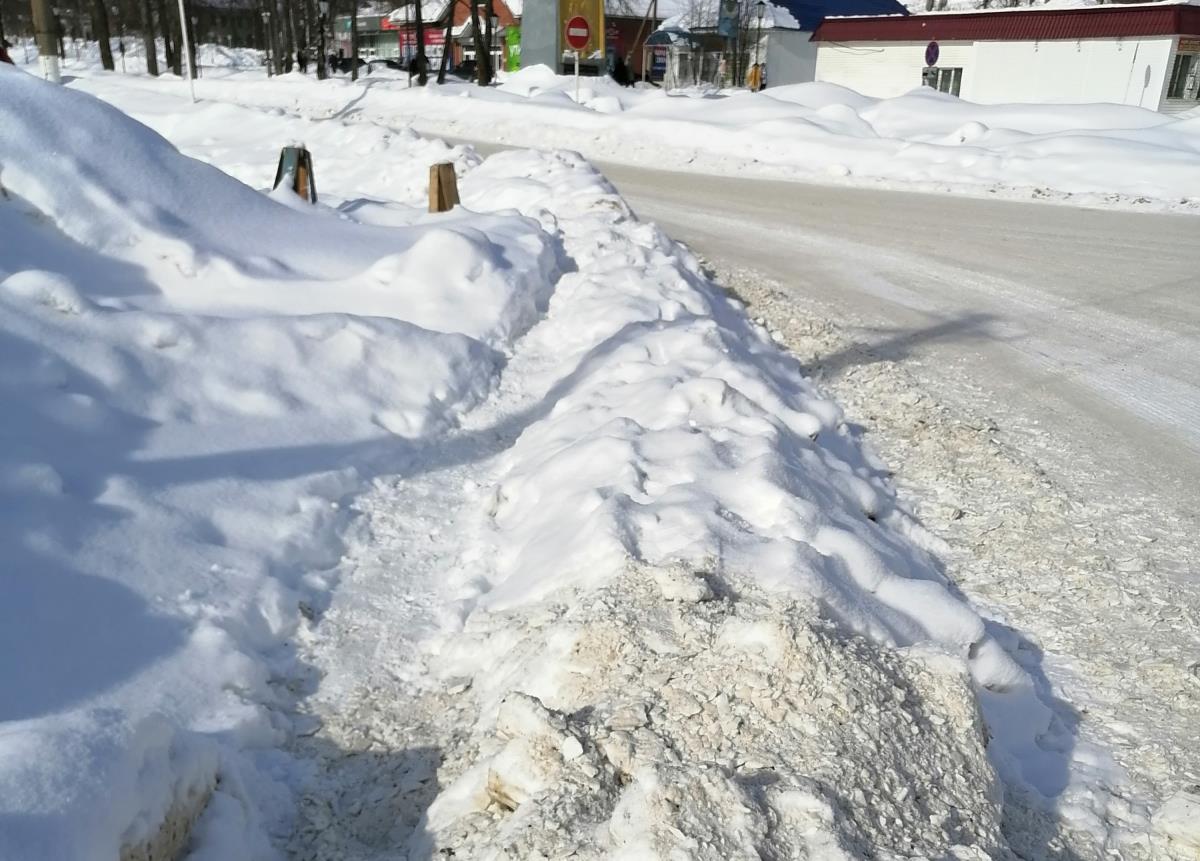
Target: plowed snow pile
{"x":1087,"y":154}
{"x":193,"y":377}
{"x":501,"y":533}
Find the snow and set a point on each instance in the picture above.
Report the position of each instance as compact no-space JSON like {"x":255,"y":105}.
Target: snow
{"x":1082,"y":154}
{"x":180,"y":433}
{"x":308,"y":502}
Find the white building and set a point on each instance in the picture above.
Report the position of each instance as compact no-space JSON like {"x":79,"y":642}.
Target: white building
{"x":1145,"y":54}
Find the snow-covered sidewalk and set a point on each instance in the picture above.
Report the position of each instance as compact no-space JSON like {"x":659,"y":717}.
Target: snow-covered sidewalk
{"x":501,"y":531}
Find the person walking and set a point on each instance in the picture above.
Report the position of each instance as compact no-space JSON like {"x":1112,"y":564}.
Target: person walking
{"x":301,"y":61}
{"x":4,"y":58}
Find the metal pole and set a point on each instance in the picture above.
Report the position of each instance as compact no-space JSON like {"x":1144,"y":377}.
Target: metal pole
{"x":44,"y":29}
{"x":186,"y":48}
{"x":576,"y":77}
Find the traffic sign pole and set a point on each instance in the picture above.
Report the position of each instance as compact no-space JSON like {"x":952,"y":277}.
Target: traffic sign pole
{"x":579,"y":31}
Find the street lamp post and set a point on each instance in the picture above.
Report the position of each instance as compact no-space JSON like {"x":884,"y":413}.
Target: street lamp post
{"x":322,"y":59}
{"x":762,"y":7}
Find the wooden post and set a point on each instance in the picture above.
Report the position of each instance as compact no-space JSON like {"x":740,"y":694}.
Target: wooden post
{"x":443,"y":187}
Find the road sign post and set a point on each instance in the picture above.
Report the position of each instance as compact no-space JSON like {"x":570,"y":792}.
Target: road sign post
{"x":578,"y":32}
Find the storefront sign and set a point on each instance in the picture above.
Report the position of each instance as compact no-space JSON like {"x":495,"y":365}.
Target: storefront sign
{"x":1189,"y":46}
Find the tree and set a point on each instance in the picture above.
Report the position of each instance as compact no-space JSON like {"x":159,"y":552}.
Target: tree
{"x":354,"y":40}
{"x":100,"y":28}
{"x":422,"y":62}
{"x":446,"y":43}
{"x":483,"y":59}
{"x":489,"y":38}
{"x":148,"y":40}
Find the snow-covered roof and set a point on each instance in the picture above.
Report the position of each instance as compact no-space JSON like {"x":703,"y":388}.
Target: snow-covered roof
{"x":431,"y":10}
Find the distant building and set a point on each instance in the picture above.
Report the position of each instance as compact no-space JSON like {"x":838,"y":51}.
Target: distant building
{"x":392,"y":35}
{"x":1146,"y":55}
{"x":777,"y":34}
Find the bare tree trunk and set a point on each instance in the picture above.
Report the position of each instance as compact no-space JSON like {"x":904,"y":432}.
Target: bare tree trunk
{"x":164,"y":27}
{"x":446,"y":44}
{"x":308,"y":30}
{"x":289,"y":22}
{"x":354,"y":40}
{"x":490,"y":11}
{"x":278,"y":37}
{"x":148,"y":41}
{"x":422,"y":60}
{"x":322,"y":51}
{"x":100,"y":28}
{"x":480,"y":52}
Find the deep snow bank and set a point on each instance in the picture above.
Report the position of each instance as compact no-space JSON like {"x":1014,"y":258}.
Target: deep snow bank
{"x":1089,"y":154}
{"x":694,"y":622}
{"x":180,"y":431}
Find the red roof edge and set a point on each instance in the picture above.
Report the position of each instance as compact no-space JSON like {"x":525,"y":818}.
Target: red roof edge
{"x":1093,"y":22}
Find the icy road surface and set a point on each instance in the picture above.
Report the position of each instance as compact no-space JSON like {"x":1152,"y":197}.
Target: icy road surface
{"x":1085,"y":321}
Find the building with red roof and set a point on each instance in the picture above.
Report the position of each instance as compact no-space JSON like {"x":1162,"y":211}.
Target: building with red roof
{"x":1131,"y":54}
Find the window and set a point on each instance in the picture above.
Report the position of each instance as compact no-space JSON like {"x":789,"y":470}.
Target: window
{"x":943,"y":80}
{"x":1183,"y":83}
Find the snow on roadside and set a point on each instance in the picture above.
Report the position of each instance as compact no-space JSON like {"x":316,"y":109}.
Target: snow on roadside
{"x":683,"y":588}
{"x":1097,"y":591}
{"x":195,"y":377}
{"x":1093,"y":155}
{"x":655,"y":557}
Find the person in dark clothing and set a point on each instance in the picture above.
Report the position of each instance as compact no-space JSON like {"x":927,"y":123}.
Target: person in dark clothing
{"x":4,"y":58}
{"x":301,"y":62}
{"x":620,"y":72}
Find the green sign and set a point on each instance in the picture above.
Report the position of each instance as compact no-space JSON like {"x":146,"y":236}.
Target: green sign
{"x":512,"y":48}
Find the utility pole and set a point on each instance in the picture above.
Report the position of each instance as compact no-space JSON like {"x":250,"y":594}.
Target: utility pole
{"x":44,"y":27}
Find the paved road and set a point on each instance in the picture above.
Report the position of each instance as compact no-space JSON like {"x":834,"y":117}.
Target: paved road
{"x":1085,"y":321}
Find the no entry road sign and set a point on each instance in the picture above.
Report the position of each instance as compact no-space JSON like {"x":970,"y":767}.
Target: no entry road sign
{"x":578,"y":32}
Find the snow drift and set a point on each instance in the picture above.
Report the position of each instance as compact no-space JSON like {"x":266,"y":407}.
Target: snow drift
{"x":673,"y":564}
{"x":1095,"y":154}
{"x":184,"y":413}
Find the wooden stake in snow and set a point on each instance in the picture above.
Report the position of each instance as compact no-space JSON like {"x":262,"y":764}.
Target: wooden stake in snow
{"x":295,"y":169}
{"x":443,"y":187}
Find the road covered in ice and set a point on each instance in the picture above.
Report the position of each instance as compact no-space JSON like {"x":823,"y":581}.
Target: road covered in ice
{"x":502,"y":533}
